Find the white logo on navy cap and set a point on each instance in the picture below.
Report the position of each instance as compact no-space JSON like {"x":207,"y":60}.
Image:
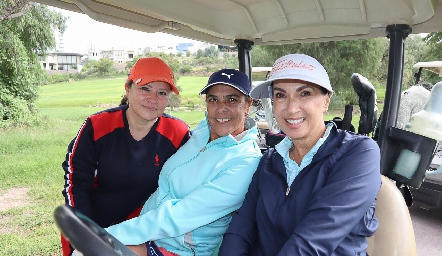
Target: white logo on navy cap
{"x":224,"y":74}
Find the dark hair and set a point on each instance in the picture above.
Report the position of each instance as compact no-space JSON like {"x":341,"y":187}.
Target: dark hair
{"x":124,"y":100}
{"x":323,"y":90}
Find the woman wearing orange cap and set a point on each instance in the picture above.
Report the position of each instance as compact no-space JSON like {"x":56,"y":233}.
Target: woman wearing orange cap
{"x":112,"y":165}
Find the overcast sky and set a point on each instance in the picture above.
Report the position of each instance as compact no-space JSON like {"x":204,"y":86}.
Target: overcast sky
{"x":83,"y":32}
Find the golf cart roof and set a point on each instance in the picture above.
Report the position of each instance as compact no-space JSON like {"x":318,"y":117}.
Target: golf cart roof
{"x":433,"y":66}
{"x":265,"y":22}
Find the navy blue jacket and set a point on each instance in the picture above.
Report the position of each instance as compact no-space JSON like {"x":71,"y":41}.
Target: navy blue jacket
{"x":108,"y":174}
{"x":328,"y":211}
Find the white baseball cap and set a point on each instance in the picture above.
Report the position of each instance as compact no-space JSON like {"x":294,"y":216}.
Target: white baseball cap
{"x":294,"y":66}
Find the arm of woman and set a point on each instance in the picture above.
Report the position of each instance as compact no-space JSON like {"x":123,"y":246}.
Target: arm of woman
{"x":335,"y":209}
{"x":207,"y":203}
{"x":79,"y":167}
{"x":242,"y":231}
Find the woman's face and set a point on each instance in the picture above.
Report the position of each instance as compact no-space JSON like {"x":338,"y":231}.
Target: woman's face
{"x":226,"y":110}
{"x":299,"y":108}
{"x":147,"y":102}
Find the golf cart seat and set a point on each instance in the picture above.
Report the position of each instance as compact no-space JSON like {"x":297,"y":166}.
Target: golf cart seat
{"x":395,"y":234}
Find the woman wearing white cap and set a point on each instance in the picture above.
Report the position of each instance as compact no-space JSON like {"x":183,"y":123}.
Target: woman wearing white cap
{"x":204,"y":181}
{"x":314,"y":194}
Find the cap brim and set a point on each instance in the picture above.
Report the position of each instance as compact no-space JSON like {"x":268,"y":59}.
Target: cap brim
{"x":149,"y":79}
{"x":261,"y":91}
{"x":204,"y":90}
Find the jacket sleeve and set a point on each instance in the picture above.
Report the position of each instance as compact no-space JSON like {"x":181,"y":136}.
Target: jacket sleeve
{"x":207,"y":203}
{"x":242,"y":231}
{"x":79,"y":168}
{"x":334,"y":210}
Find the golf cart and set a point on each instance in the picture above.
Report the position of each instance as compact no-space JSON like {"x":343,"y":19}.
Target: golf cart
{"x":271,"y":22}
{"x":430,"y":193}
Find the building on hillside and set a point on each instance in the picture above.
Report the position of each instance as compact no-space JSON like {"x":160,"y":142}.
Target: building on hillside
{"x":93,"y":54}
{"x":118,"y":55}
{"x":61,"y":61}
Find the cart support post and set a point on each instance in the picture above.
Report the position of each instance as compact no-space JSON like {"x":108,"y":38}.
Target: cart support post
{"x":397,"y":34}
{"x":245,"y":62}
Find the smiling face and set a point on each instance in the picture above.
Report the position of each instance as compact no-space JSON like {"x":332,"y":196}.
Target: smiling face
{"x":226,"y":110}
{"x":299,"y":109}
{"x":147,"y":102}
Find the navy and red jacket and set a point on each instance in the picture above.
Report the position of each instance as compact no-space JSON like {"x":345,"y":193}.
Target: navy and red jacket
{"x":329,"y":209}
{"x":108,"y":174}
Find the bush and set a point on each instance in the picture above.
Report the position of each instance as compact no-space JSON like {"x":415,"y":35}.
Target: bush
{"x":185,"y":69}
{"x":15,"y":111}
{"x":56,"y":78}
{"x":337,"y":103}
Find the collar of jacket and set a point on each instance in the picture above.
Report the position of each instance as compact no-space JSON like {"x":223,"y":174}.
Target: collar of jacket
{"x":331,"y":144}
{"x":202,"y":134}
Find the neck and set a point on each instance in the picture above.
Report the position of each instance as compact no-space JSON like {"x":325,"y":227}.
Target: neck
{"x":301,"y":147}
{"x":138,"y":127}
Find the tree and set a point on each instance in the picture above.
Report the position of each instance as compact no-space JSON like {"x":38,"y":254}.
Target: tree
{"x":211,"y":52}
{"x":10,"y":9}
{"x":27,"y":30}
{"x":340,"y":58}
{"x":105,"y":67}
{"x":433,"y":53}
{"x":415,"y":51}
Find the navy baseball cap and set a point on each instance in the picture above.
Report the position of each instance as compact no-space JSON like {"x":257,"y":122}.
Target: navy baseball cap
{"x":232,"y":77}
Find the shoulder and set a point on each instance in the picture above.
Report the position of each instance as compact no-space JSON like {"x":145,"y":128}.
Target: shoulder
{"x":349,"y":139}
{"x":108,"y":114}
{"x":166,"y":122}
{"x":173,"y":129}
{"x":106,"y":121}
{"x":343,"y":143}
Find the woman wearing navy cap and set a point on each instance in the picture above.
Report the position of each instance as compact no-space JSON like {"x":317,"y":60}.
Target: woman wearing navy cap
{"x":205,"y":181}
{"x":314,"y":194}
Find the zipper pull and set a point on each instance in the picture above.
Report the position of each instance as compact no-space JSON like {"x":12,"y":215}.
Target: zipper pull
{"x":203,"y":149}
{"x":287,"y":191}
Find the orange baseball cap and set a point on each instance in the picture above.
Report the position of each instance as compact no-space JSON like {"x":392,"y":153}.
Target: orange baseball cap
{"x":147,"y":70}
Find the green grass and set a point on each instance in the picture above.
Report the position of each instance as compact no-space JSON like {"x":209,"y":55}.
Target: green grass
{"x":31,"y":157}
{"x":83,"y":93}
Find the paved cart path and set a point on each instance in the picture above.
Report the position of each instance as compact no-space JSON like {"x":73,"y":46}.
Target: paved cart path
{"x":427,"y":224}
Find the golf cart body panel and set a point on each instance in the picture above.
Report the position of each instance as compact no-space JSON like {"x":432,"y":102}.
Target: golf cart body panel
{"x":430,"y":193}
{"x":433,"y":66}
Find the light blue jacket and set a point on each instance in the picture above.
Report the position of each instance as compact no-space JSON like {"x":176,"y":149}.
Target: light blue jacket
{"x":199,"y":187}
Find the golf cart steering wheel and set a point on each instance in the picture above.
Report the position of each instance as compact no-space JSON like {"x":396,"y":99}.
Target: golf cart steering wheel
{"x":86,"y":236}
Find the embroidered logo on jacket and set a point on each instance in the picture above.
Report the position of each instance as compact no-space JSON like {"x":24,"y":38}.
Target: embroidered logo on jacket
{"x":157,"y":160}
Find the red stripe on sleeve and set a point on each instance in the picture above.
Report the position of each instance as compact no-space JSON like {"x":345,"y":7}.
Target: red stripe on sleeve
{"x":105,"y":122}
{"x":71,"y":165}
{"x":173,"y":129}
